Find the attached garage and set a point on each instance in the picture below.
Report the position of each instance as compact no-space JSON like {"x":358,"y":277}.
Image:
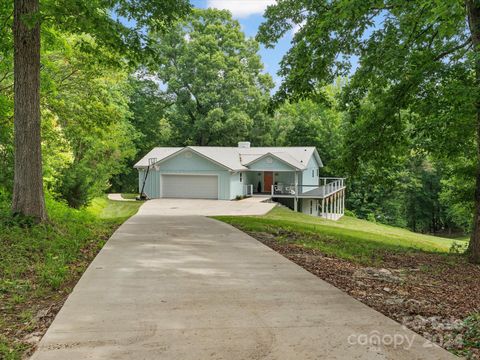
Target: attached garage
{"x":189,"y":186}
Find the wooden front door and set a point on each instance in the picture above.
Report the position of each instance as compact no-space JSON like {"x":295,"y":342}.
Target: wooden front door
{"x":267,"y":181}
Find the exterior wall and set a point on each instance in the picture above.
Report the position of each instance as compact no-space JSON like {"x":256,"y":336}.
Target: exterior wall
{"x":236,"y":186}
{"x":304,"y":206}
{"x":186,"y":163}
{"x":274,"y":165}
{"x":306,"y":178}
{"x":152,"y":185}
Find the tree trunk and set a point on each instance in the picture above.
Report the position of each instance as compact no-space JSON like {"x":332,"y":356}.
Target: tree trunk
{"x":28,"y":197}
{"x":473,"y":10}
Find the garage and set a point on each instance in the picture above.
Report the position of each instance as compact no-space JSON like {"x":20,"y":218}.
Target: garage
{"x":190,"y":186}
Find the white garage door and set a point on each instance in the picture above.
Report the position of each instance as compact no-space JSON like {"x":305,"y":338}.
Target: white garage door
{"x":190,"y":186}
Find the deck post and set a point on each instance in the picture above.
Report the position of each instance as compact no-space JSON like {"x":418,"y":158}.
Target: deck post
{"x":329,"y":211}
{"x":335,"y":205}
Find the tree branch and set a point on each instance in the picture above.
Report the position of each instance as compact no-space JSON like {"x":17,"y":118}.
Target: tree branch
{"x":452,"y":50}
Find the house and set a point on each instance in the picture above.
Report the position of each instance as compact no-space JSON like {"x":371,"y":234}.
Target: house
{"x":289,"y":175}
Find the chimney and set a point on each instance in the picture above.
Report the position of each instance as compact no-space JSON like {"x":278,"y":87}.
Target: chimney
{"x":244,"y":144}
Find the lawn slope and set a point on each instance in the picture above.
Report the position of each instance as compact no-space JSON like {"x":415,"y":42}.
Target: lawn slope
{"x":348,"y":238}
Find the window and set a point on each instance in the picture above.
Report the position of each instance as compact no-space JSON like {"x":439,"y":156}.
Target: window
{"x":313,"y":173}
{"x":311,"y":207}
{"x":241,"y":177}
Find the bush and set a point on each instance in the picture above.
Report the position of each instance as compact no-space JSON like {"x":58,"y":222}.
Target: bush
{"x":75,"y":187}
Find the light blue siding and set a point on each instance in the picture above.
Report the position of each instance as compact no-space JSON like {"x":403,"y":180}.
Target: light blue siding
{"x":152,"y":185}
{"x":274,"y":165}
{"x":236,"y":187}
{"x":307,"y":178}
{"x":187,"y":163}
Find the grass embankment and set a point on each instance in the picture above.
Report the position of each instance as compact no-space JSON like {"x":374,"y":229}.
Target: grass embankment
{"x":40,"y":264}
{"x":348,"y":238}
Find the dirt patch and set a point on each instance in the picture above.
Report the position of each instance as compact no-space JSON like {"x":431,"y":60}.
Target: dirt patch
{"x":431,"y":294}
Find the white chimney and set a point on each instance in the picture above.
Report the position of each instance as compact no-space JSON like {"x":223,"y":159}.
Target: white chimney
{"x":244,"y":144}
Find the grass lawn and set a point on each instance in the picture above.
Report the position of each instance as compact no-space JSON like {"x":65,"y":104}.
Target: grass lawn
{"x":348,"y":238}
{"x":104,"y":208}
{"x":129,"y":196}
{"x":40,"y":264}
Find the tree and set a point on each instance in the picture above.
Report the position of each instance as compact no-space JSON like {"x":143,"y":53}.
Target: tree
{"x":306,"y":123}
{"x":420,"y":57}
{"x":213,"y":79}
{"x":148,"y":109}
{"x":97,"y":18}
{"x":28,"y":197}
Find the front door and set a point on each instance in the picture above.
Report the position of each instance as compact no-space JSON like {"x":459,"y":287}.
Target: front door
{"x":267,"y":181}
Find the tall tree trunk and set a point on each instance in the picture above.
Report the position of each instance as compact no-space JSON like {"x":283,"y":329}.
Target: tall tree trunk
{"x":473,"y":10}
{"x":28,"y":197}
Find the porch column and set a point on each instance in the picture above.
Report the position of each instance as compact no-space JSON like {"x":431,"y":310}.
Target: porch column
{"x":323,"y":207}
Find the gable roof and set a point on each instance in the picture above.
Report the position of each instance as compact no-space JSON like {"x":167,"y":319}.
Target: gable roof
{"x":283,"y":157}
{"x":237,"y":158}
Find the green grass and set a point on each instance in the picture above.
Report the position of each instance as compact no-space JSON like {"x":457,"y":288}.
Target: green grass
{"x":104,"y":208}
{"x":129,"y":196}
{"x":39,"y":263}
{"x":348,"y":238}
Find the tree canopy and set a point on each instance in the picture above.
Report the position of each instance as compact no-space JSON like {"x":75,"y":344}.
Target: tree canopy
{"x":213,"y":79}
{"x":414,"y":89}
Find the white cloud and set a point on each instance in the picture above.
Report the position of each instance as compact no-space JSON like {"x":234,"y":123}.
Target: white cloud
{"x":241,"y":8}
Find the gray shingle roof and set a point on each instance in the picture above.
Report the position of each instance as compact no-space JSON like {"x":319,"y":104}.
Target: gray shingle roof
{"x":236,"y":158}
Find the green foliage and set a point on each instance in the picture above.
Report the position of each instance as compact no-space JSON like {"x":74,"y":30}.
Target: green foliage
{"x":215,"y":85}
{"x":148,"y":110}
{"x":307,"y":123}
{"x":100,"y":20}
{"x":411,"y":99}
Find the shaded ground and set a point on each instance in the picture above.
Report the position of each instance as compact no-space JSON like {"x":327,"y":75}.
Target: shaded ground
{"x":433,"y":294}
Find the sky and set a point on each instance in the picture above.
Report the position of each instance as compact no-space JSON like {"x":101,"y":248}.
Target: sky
{"x":249,"y":13}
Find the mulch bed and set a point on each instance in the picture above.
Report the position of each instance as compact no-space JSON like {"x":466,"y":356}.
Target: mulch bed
{"x":429,"y":293}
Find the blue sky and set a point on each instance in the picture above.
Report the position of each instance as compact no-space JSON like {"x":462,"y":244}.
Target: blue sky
{"x":250,"y":15}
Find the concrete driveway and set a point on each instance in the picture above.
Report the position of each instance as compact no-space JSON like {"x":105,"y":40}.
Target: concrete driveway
{"x":190,"y":287}
{"x":174,"y":207}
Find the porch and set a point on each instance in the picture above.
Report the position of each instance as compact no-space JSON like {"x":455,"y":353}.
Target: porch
{"x":327,"y":199}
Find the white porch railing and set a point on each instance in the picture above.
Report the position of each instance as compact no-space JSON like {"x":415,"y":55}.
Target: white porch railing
{"x":327,"y":187}
{"x":248,"y":190}
{"x":329,"y":196}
